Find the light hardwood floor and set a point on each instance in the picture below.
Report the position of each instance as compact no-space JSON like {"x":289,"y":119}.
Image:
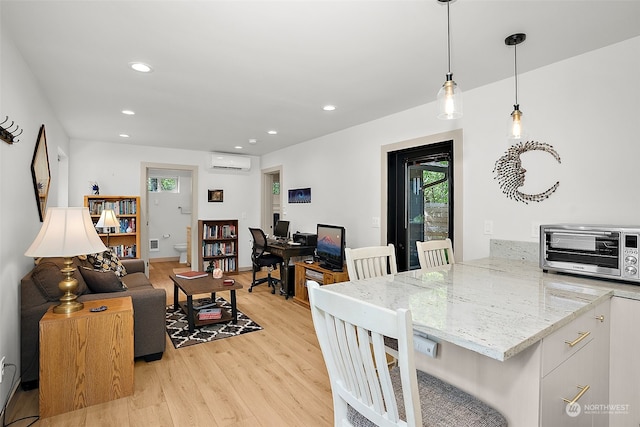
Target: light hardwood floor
{"x":273,"y":377}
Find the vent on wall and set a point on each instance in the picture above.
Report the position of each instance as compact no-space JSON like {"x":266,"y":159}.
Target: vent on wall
{"x":154,"y":245}
{"x":230,"y":161}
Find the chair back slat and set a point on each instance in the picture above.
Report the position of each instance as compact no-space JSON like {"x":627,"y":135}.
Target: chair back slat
{"x":351,"y":335}
{"x":374,"y":261}
{"x":434,"y":253}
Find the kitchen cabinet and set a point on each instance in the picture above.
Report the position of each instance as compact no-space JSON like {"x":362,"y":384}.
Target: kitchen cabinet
{"x":624,"y":375}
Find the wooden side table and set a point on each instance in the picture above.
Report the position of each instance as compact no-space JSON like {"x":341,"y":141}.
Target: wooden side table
{"x":86,"y":357}
{"x":321,"y":275}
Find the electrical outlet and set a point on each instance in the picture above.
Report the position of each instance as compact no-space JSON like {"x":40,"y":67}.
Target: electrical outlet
{"x":2,"y":368}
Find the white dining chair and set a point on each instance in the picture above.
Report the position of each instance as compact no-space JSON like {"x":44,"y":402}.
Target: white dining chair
{"x":366,"y":392}
{"x":434,"y":253}
{"x":372,"y":261}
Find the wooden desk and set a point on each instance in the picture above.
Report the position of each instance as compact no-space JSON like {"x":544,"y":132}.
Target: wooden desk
{"x":85,"y":357}
{"x":288,"y":251}
{"x":316,"y":273}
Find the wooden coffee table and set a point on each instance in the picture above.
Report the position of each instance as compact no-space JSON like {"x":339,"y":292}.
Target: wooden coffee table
{"x":204,"y":285}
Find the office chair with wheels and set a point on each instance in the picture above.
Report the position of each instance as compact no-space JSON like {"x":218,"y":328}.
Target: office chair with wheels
{"x":261,"y":258}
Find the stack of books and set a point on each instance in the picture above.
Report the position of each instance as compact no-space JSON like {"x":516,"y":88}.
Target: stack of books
{"x":210,"y":313}
{"x":203,"y":303}
{"x":192,"y":274}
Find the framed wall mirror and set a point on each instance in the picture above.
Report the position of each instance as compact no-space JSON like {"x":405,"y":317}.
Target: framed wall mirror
{"x":41,"y":173}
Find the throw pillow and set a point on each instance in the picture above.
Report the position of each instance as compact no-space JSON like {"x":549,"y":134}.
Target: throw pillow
{"x":107,"y":261}
{"x":102,"y":281}
{"x":47,"y":275}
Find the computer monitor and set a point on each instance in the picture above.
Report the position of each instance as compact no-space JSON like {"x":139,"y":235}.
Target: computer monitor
{"x":331,"y":244}
{"x":282,"y":229}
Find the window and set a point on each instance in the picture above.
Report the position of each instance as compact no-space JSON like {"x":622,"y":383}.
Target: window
{"x":163,"y":184}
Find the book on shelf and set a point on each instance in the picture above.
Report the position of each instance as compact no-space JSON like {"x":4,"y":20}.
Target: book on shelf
{"x":210,"y":314}
{"x":192,"y":274}
{"x":203,"y":303}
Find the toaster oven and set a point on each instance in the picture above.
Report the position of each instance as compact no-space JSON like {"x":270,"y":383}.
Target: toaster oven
{"x":605,"y":251}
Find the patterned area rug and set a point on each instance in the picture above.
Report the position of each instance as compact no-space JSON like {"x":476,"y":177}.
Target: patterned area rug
{"x":178,"y":327}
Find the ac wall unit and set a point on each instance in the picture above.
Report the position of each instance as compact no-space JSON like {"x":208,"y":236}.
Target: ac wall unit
{"x":230,"y":161}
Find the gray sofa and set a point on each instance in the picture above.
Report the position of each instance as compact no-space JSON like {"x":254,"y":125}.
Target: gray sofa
{"x":39,"y":290}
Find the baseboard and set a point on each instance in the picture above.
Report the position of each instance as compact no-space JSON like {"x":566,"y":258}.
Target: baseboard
{"x":165,"y":259}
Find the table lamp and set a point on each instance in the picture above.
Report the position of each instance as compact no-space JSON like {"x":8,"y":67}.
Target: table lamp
{"x":66,"y":232}
{"x":108,"y":220}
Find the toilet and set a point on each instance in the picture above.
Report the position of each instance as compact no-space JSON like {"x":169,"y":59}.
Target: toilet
{"x":182,"y":248}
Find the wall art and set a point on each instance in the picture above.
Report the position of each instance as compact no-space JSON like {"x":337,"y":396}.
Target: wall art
{"x":215,"y":195}
{"x":41,"y":173}
{"x":511,"y":175}
{"x":300,"y":195}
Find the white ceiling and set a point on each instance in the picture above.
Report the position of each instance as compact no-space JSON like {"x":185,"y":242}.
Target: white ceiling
{"x":228,"y":71}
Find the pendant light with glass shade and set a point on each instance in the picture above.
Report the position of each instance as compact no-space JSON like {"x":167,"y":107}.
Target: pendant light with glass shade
{"x":515,"y":126}
{"x":449,"y":95}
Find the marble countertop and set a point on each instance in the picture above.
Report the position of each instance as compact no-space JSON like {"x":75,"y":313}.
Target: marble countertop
{"x":496,"y":307}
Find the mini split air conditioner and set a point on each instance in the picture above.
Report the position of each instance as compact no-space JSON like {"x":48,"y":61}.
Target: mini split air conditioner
{"x":230,"y":161}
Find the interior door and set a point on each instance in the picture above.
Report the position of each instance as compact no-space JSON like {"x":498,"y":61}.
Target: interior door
{"x":420,"y":199}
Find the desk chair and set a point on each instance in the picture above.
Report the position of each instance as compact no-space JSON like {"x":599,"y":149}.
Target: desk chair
{"x":434,"y":253}
{"x":261,"y":258}
{"x":373,"y":261}
{"x":351,"y":335}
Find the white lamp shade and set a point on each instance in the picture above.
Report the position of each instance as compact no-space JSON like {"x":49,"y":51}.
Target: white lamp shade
{"x":66,"y":232}
{"x":108,"y":219}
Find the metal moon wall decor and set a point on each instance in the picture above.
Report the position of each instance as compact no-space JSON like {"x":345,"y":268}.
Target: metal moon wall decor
{"x":40,"y":172}
{"x":511,"y":175}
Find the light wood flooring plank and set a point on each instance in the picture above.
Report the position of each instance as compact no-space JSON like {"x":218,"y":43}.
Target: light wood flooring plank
{"x":273,"y":377}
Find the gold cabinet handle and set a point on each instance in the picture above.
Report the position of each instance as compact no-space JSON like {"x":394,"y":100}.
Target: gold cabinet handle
{"x":582,"y":336}
{"x":582,"y":391}
{"x":600,"y":318}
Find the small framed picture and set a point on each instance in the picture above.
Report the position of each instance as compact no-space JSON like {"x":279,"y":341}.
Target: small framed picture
{"x":216,"y":195}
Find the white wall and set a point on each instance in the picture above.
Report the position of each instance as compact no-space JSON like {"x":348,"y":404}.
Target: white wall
{"x":118,"y":173}
{"x":586,"y":107}
{"x":22,"y":100}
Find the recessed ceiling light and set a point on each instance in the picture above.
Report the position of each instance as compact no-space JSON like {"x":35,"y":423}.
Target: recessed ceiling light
{"x":128,"y":112}
{"x":329,"y":107}
{"x":124,"y":135}
{"x":272,"y":132}
{"x":141,"y":67}
{"x":253,"y":141}
{"x":238,"y":147}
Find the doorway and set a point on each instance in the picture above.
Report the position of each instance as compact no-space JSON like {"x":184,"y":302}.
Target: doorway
{"x":389,"y":180}
{"x":420,"y":194}
{"x":272,"y":209}
{"x":190,"y":208}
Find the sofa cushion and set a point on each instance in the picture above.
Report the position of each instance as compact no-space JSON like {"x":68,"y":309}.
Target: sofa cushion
{"x":47,"y":275}
{"x":102,"y":281}
{"x":107,"y":261}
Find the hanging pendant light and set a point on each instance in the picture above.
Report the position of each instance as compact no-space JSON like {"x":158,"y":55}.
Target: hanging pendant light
{"x":515,"y":127}
{"x":449,"y":95}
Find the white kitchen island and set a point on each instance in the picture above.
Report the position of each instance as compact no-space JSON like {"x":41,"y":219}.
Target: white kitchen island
{"x":501,"y":326}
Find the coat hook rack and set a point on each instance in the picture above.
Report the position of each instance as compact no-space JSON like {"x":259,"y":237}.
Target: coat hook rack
{"x":7,"y":133}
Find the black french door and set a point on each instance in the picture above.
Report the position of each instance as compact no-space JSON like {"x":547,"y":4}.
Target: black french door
{"x":420,"y":199}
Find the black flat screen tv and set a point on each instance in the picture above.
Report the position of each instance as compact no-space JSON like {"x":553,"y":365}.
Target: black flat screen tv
{"x":331,"y":244}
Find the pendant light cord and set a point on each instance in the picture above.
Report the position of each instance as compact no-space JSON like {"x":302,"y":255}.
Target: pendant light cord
{"x":448,"y":38}
{"x":515,"y":68}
